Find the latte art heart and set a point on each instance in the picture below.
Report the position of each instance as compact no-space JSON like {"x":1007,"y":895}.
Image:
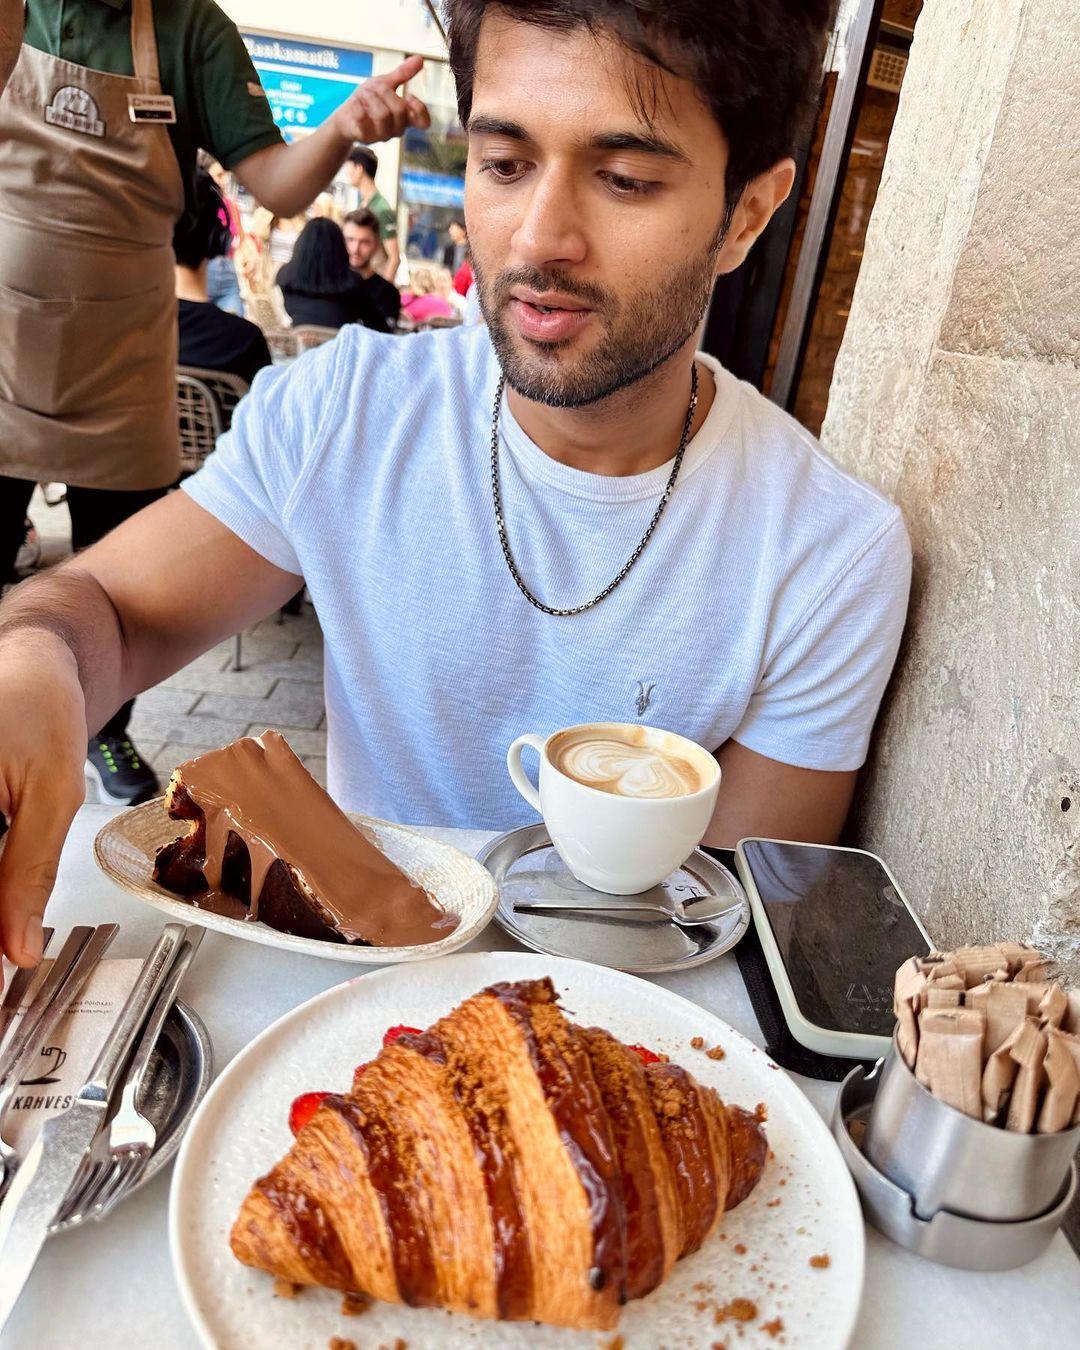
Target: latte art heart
{"x":627,"y":770}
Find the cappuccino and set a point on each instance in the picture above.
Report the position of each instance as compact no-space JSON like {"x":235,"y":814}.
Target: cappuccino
{"x":626,"y":763}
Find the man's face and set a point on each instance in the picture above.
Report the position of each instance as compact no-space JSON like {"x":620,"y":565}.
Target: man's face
{"x":362,"y":245}
{"x":353,"y":173}
{"x":594,"y":227}
{"x":457,"y":234}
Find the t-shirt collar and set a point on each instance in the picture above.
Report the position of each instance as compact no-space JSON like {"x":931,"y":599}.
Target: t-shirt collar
{"x":537,"y":465}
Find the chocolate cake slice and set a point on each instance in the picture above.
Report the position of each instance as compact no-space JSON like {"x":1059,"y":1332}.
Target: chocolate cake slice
{"x":266,"y":842}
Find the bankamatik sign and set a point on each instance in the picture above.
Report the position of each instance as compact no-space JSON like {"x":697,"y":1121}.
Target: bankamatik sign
{"x":305,"y":81}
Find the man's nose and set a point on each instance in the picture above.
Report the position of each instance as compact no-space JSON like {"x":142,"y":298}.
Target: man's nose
{"x":551,"y":229}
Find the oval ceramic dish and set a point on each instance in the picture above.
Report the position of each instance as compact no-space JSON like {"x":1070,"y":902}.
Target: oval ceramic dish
{"x":126,"y":846}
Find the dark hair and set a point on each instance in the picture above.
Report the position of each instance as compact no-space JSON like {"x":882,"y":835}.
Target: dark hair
{"x":364,"y":220}
{"x":459,"y":223}
{"x":203,"y":231}
{"x":320,"y":260}
{"x":756,"y":64}
{"x":367,"y":159}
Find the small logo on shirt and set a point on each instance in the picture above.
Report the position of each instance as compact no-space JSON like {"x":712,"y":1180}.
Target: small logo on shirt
{"x":74,"y":109}
{"x":644,"y":697}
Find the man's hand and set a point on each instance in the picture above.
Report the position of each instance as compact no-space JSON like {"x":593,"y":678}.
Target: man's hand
{"x":42,"y":750}
{"x":288,"y":178}
{"x":377,"y":112}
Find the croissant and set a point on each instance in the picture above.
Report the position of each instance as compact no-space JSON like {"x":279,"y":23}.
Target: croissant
{"x":505,"y":1163}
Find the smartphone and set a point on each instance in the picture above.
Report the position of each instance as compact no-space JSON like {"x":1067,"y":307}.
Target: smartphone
{"x":833,"y":927}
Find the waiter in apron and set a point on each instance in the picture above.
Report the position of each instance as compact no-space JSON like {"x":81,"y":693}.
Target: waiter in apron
{"x":101,"y":117}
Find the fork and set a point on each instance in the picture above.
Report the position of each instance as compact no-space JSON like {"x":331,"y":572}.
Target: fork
{"x":101,"y":1184}
{"x":78,"y":956}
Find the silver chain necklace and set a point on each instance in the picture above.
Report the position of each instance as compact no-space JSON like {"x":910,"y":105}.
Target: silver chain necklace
{"x":500,"y":522}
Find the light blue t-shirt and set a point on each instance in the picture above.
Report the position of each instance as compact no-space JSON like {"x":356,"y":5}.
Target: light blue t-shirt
{"x":767,"y":606}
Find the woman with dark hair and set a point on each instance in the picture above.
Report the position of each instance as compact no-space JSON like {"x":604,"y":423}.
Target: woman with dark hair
{"x":318,"y":285}
{"x":211,"y":338}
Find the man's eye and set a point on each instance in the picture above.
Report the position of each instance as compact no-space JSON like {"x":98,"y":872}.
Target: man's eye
{"x":628,"y":187}
{"x":504,"y":170}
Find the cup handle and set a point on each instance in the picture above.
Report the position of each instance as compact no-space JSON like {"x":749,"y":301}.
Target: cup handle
{"x":517,"y":771}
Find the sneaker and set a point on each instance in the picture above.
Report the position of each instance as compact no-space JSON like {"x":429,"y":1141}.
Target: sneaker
{"x":123,"y":778}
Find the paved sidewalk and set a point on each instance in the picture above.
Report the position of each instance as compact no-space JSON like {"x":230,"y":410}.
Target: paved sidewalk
{"x":209,"y":703}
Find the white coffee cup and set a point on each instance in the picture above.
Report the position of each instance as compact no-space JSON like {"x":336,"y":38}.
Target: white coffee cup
{"x":621,"y":844}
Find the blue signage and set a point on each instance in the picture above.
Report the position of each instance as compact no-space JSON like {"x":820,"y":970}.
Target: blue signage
{"x":432,"y":189}
{"x":304,"y":81}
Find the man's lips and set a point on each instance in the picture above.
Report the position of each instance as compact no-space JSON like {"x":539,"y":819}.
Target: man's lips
{"x":547,"y":316}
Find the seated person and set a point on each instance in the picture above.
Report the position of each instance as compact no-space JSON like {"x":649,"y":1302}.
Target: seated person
{"x":768,"y":588}
{"x":318,"y":286}
{"x":428,"y":294}
{"x":210,"y":337}
{"x":362,"y":239}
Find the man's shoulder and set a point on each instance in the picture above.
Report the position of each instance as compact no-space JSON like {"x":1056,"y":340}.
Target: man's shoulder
{"x":792,"y":469}
{"x":370,"y":380}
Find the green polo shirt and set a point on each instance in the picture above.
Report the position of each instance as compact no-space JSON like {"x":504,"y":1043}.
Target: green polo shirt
{"x":220,"y":106}
{"x":385,"y":215}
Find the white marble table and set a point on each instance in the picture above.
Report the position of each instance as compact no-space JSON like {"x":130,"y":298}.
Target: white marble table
{"x":111,"y":1283}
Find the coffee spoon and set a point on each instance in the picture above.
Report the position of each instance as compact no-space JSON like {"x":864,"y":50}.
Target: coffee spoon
{"x":675,"y":910}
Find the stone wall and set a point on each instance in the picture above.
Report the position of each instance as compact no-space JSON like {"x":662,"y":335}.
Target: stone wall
{"x":957,"y":391}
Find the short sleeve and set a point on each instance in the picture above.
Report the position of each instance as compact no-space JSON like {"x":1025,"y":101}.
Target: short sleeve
{"x":260,"y":464}
{"x":387,"y":221}
{"x":815,"y":704}
{"x":232,"y":115}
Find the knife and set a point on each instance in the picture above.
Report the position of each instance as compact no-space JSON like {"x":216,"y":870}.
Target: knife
{"x":50,"y":1164}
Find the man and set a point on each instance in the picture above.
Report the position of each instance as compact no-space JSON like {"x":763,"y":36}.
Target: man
{"x":101,"y":117}
{"x":361,"y":230}
{"x":761,"y":607}
{"x":210,"y":337}
{"x":360,"y":170}
{"x":457,"y":247}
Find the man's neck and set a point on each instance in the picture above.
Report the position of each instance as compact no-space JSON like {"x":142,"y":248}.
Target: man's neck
{"x":191,"y":283}
{"x":632,"y":431}
{"x":366,"y":271}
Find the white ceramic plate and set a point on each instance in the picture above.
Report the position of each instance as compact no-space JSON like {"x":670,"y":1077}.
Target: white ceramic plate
{"x":805,"y":1205}
{"x":127,"y":845}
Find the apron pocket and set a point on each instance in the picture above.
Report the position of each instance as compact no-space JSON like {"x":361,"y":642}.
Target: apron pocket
{"x":78,"y":359}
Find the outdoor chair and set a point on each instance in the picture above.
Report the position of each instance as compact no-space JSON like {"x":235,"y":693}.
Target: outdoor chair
{"x":199,"y":419}
{"x":205,"y":400}
{"x":310,"y":335}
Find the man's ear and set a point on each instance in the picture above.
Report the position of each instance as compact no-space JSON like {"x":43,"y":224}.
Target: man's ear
{"x":761,"y":199}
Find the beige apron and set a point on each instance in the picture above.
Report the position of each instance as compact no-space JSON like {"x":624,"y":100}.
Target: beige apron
{"x":88,"y":201}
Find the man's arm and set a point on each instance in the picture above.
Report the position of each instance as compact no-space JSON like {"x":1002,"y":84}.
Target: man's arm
{"x":77,"y":642}
{"x":764,"y":798}
{"x":393,"y":258}
{"x":288,"y":178}
{"x":11,"y":36}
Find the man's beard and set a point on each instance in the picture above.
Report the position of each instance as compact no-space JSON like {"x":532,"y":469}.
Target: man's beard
{"x":640,"y":334}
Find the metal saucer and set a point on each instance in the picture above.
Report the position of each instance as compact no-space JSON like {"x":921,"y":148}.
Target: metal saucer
{"x":179,"y":1075}
{"x":526,"y":867}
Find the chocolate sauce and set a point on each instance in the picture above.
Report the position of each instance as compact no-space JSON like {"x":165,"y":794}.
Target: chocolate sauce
{"x":624,"y":1102}
{"x":573,"y":1099}
{"x":513,"y":1263}
{"x":257,"y":790}
{"x":308,"y":1225}
{"x":387,"y":1169}
{"x":747,"y":1150}
{"x":686,"y":1138}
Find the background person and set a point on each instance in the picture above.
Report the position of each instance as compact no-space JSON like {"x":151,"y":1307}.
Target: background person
{"x":222,"y":281}
{"x":428,"y":295}
{"x":361,"y":231}
{"x":101,"y":118}
{"x":360,"y":169}
{"x":457,"y":247}
{"x":319,"y":287}
{"x":211,"y":338}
